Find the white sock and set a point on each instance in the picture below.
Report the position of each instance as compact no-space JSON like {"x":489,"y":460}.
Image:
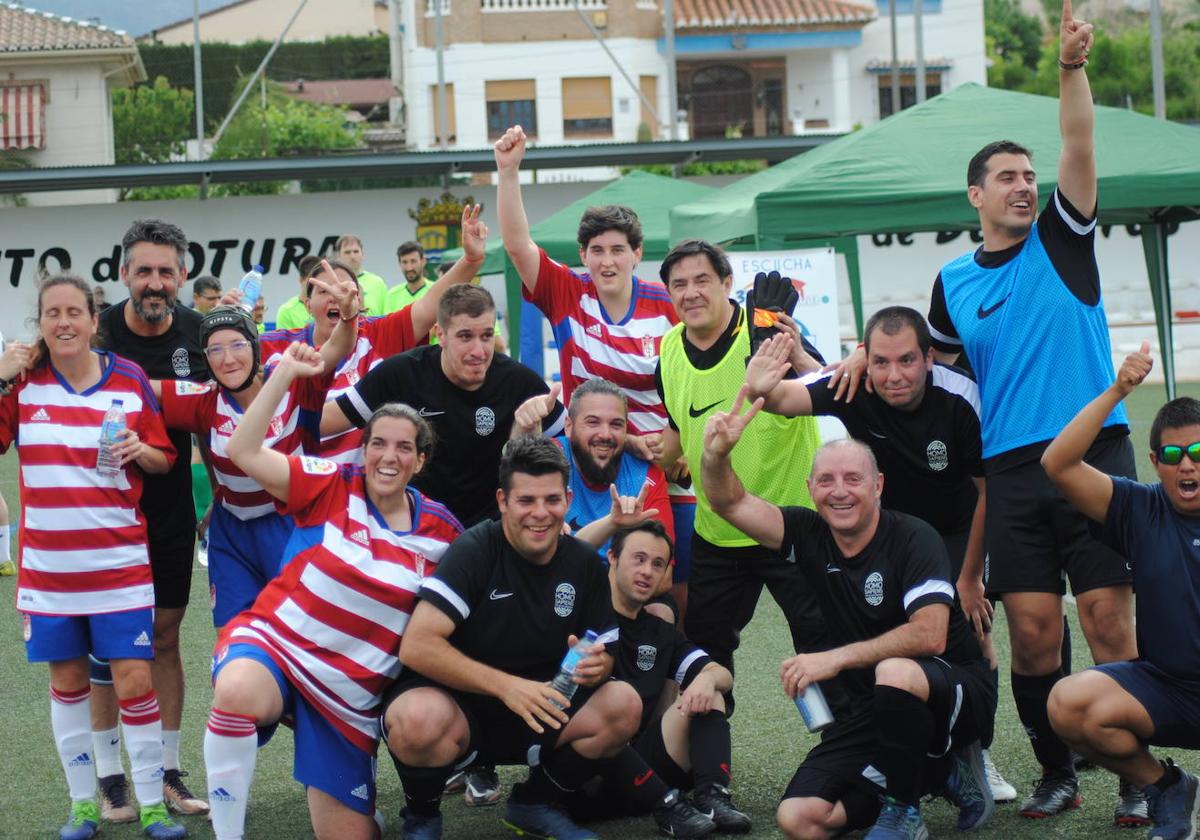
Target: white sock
{"x":230,"y":752}
{"x":170,"y":749}
{"x":142,"y":726}
{"x":107,"y":746}
{"x":71,"y":723}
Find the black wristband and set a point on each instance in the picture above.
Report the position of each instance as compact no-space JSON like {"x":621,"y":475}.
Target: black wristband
{"x":1079,"y":65}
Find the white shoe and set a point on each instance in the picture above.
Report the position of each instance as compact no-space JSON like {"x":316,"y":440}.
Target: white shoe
{"x":1002,"y":791}
{"x":202,"y":553}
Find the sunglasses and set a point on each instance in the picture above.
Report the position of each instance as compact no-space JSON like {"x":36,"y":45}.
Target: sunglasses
{"x":1172,"y":455}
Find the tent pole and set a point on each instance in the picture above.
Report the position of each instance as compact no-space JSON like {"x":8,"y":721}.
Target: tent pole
{"x":1154,"y":245}
{"x":847,"y":246}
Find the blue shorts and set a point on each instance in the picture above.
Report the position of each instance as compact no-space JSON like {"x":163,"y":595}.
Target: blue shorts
{"x":118,"y":635}
{"x":324,"y":758}
{"x":301,"y":539}
{"x":1173,"y":703}
{"x":685,"y":526}
{"x":243,"y":557}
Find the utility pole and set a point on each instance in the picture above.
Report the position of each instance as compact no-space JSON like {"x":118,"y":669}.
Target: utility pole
{"x":919,"y":25}
{"x":1156,"y":60}
{"x":895,"y":61}
{"x":441,"y":74}
{"x":198,"y":93}
{"x":672,"y":82}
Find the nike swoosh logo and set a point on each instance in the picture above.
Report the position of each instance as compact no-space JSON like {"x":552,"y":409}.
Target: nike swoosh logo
{"x":496,"y":596}
{"x":425,"y":412}
{"x":642,"y":779}
{"x":874,"y":433}
{"x":983,"y":313}
{"x":700,"y":412}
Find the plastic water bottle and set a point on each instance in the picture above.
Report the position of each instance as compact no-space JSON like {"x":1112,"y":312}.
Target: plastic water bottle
{"x":110,"y":434}
{"x":251,"y":288}
{"x":814,"y":708}
{"x":563,"y":681}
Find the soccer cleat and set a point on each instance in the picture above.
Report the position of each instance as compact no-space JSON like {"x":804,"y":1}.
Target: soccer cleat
{"x":420,"y":827}
{"x":1132,"y":809}
{"x":967,"y":787}
{"x":179,"y":799}
{"x":456,"y":783}
{"x":542,"y":822}
{"x":202,"y":552}
{"x":898,"y":821}
{"x":716,"y":802}
{"x":115,"y":806}
{"x":83,"y":823}
{"x":1054,"y":794}
{"x":8,"y":568}
{"x":481,"y":786}
{"x":1176,"y":810}
{"x":677,"y":818}
{"x":1002,"y":791}
{"x":158,"y":825}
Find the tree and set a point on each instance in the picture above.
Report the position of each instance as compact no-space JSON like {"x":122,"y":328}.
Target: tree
{"x":1014,"y":43}
{"x":151,"y":123}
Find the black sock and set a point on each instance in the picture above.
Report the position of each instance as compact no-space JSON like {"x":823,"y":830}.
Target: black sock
{"x":904,"y":726}
{"x":422,"y":787}
{"x":994,"y":679}
{"x":628,"y":778}
{"x":708,"y":742}
{"x":1031,"y":694}
{"x":560,"y":772}
{"x":1170,"y":776}
{"x":1066,"y":648}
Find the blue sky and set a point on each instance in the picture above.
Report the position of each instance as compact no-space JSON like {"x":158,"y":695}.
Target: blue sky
{"x":134,"y":16}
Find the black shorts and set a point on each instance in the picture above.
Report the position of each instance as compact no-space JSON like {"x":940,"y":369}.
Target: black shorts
{"x":171,"y":567}
{"x":1036,"y":540}
{"x":956,"y":548}
{"x":844,"y":767}
{"x":497,"y":735}
{"x":1173,"y":703}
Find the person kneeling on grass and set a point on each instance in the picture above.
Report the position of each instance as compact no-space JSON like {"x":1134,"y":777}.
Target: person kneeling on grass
{"x":319,"y":644}
{"x":1111,"y":713}
{"x":918,"y":683}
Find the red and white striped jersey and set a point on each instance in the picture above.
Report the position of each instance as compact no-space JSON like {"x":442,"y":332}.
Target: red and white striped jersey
{"x":333,"y":618}
{"x":378,"y":338}
{"x":210,"y":410}
{"x":83,"y":536}
{"x":592,"y":345}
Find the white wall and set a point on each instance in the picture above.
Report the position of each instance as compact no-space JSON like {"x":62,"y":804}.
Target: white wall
{"x":263,"y":20}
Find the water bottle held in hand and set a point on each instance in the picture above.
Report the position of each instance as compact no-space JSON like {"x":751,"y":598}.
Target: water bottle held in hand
{"x":110,"y":435}
{"x":814,"y":708}
{"x":251,"y":288}
{"x":563,"y":681}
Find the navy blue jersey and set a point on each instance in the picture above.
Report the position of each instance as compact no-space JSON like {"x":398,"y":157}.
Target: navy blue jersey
{"x":1163,"y":547}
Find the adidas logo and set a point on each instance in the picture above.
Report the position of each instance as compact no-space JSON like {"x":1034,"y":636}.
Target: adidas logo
{"x":361,"y":537}
{"x":595,"y":330}
{"x":226,"y":428}
{"x":40,"y":416}
{"x":80,"y":760}
{"x":221,"y":794}
{"x":361,"y":792}
{"x":143,"y":640}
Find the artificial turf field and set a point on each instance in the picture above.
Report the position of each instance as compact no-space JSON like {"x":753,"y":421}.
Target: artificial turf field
{"x":769,"y":739}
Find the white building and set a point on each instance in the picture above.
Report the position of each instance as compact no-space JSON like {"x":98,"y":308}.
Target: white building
{"x":56,"y":79}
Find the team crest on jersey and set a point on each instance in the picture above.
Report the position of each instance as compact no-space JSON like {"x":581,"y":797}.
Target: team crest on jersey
{"x":485,"y":421}
{"x":873,"y":589}
{"x":183,"y":388}
{"x":564,"y":600}
{"x":937,"y":455}
{"x":180,"y":362}
{"x":352,"y":376}
{"x":27,"y":626}
{"x":317,"y":466}
{"x":648,"y":346}
{"x":646,"y":656}
{"x":276,"y":427}
{"x":420,"y":562}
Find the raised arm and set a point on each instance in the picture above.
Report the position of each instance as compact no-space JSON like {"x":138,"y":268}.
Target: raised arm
{"x":751,"y":515}
{"x":514,"y":225}
{"x":1076,"y":114}
{"x":1086,"y":487}
{"x":764,"y":378}
{"x":474,"y":242}
{"x":266,"y":466}
{"x":345,"y":332}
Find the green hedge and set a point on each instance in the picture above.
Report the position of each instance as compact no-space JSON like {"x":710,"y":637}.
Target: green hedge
{"x":224,"y":64}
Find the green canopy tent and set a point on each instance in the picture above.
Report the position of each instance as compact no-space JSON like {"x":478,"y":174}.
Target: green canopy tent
{"x":650,"y":196}
{"x":907,"y":173}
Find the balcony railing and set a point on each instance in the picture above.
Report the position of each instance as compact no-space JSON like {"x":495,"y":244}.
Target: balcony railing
{"x":542,"y":5}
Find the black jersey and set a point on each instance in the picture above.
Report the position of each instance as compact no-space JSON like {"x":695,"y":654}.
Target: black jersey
{"x":928,"y":456}
{"x":512,"y":614}
{"x":472,"y":426}
{"x":652,"y":651}
{"x":903,"y":568}
{"x":176,"y":354}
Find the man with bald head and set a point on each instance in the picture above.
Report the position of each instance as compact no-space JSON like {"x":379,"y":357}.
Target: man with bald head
{"x":902,"y":648}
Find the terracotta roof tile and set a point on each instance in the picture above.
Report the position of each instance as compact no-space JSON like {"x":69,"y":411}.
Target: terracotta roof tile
{"x":342,"y":91}
{"x":773,"y":14}
{"x":28,"y":30}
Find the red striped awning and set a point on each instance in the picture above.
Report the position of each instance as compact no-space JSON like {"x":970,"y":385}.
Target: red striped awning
{"x":22,"y":115}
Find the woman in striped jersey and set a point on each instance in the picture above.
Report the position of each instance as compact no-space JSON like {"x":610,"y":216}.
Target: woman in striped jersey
{"x":246,"y":536}
{"x":320,"y":645}
{"x":84,"y":584}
